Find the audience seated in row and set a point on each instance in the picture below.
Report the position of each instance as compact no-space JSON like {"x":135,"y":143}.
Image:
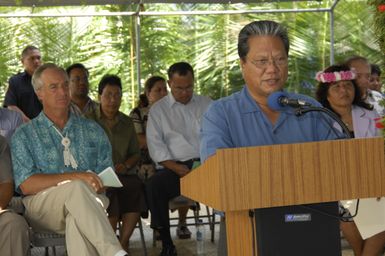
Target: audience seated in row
{"x":60,"y":196}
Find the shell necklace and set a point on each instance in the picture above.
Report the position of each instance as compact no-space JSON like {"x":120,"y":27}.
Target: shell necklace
{"x":67,"y":155}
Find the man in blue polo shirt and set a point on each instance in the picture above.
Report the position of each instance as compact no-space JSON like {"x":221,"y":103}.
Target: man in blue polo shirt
{"x":244,"y":118}
{"x":20,"y":95}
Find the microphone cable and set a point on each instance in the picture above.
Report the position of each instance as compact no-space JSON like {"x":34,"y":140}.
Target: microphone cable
{"x":252,"y":222}
{"x":341,"y":218}
{"x":299,"y":112}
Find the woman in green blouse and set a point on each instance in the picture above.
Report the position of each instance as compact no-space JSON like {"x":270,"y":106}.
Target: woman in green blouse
{"x":128,"y":202}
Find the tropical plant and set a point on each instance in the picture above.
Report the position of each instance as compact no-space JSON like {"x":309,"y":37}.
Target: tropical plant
{"x":208,"y":42}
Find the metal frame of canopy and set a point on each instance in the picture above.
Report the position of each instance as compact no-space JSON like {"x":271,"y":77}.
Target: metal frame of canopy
{"x":138,"y":14}
{"x":103,"y":2}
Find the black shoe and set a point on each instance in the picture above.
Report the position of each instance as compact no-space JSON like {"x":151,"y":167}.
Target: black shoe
{"x":183,"y":232}
{"x":168,"y":251}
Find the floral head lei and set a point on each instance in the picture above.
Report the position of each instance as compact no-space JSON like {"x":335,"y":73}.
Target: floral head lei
{"x":329,"y":77}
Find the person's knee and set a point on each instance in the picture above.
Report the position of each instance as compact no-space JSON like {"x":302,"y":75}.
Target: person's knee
{"x":78,"y":191}
{"x":11,"y":218}
{"x":15,"y":233}
{"x":79,"y":195}
{"x":135,"y":184}
{"x":14,"y":223}
{"x":78,"y":186}
{"x":154,"y":184}
{"x":20,"y":223}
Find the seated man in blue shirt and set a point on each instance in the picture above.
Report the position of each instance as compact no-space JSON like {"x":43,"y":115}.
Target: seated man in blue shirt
{"x":9,"y":121}
{"x":56,"y":158}
{"x":14,"y":239}
{"x":244,"y":118}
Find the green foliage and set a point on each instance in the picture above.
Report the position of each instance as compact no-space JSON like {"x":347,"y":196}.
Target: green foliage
{"x":208,"y":42}
{"x":379,"y":26}
{"x":378,"y":22}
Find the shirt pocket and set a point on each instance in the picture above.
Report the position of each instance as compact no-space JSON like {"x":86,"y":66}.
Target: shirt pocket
{"x":91,"y":158}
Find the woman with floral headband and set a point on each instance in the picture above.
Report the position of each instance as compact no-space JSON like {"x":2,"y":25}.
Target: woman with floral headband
{"x":338,"y":92}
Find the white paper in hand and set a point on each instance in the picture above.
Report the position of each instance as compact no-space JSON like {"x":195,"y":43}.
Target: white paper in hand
{"x":109,"y":178}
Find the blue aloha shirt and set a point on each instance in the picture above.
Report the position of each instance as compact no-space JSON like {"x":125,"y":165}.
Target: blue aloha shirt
{"x":36,"y":148}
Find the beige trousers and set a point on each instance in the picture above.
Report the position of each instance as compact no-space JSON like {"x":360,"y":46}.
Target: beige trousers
{"x":75,"y":210}
{"x":14,"y":235}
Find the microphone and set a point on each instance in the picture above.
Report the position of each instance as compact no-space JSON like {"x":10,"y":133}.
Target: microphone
{"x":280,"y":100}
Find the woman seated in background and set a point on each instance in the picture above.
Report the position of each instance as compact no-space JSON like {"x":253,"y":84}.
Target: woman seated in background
{"x":128,"y":202}
{"x":155,"y":88}
{"x":338,"y":92}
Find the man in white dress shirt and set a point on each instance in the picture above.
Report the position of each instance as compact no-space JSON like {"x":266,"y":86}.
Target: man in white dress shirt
{"x":173,"y":142}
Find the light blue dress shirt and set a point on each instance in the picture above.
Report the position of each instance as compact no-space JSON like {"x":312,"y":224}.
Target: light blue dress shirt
{"x":238,"y":121}
{"x":36,"y":147}
{"x":9,"y":121}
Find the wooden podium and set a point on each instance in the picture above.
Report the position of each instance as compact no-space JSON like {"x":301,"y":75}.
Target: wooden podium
{"x":236,"y":180}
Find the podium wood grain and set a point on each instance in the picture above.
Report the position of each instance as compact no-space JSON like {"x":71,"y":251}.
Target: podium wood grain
{"x":235,"y":180}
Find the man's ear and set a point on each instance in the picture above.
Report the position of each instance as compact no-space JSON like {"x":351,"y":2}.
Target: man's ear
{"x":38,"y":94}
{"x":242,"y":63}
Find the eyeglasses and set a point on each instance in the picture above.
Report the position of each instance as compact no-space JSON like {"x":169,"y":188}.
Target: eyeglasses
{"x":264,"y":63}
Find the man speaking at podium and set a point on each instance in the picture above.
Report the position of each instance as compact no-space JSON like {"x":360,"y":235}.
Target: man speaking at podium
{"x":245,"y":119}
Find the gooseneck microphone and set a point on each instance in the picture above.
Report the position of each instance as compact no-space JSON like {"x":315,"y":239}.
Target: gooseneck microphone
{"x":280,"y":100}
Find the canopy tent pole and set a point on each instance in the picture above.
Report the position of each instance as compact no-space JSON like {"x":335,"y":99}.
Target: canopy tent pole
{"x":331,"y":14}
{"x":138,"y":55}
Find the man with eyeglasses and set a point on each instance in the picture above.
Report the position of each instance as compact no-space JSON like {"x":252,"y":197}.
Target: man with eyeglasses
{"x":245,"y":118}
{"x":173,"y":143}
{"x":363,"y":69}
{"x":81,"y":103}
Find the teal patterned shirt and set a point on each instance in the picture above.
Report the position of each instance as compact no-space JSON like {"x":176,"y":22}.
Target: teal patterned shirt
{"x":36,"y":147}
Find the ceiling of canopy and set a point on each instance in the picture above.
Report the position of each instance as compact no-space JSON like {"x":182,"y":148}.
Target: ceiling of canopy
{"x":103,"y":2}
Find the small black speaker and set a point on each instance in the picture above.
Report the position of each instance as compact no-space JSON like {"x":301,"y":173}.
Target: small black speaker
{"x":300,"y":230}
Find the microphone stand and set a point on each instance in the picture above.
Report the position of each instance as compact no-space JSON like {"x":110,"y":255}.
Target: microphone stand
{"x":302,"y":110}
